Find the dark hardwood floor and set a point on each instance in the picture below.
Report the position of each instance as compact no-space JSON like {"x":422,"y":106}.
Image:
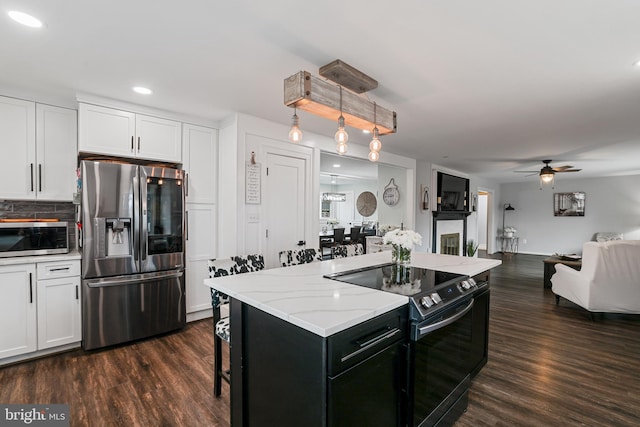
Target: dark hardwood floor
{"x":548,"y":366}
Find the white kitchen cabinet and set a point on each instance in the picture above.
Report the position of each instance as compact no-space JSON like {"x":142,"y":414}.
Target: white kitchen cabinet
{"x":18,"y":310}
{"x":56,"y":152}
{"x":200,"y":160}
{"x":201,"y":246}
{"x":40,"y":306}
{"x":40,"y":143}
{"x":59,"y":308}
{"x":120,"y":133}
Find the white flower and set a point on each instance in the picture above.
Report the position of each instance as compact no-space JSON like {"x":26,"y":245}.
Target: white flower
{"x":404,"y":238}
{"x":332,"y":221}
{"x":510,"y":229}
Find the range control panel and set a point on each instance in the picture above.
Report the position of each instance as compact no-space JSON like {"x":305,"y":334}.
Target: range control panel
{"x":428,"y":302}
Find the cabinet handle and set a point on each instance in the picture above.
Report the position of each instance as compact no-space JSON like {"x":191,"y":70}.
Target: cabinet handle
{"x":31,"y":176}
{"x":186,"y":184}
{"x":59,"y":269}
{"x":40,"y":176}
{"x":138,"y":143}
{"x":77,"y":292}
{"x":186,"y":217}
{"x":132,"y":143}
{"x":30,"y":288}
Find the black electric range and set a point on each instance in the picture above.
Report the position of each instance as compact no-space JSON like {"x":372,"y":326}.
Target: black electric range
{"x":429,"y":291}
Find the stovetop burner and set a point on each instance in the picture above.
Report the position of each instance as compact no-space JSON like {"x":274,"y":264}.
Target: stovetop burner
{"x":405,"y":280}
{"x":428,"y":290}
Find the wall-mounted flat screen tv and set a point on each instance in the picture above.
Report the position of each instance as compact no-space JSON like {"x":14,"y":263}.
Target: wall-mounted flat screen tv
{"x":453,"y":193}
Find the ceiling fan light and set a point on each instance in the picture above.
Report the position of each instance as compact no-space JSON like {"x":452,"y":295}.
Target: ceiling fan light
{"x":546,"y":177}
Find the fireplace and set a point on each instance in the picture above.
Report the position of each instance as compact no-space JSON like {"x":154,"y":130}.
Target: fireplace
{"x":450,"y":244}
{"x":449,"y":233}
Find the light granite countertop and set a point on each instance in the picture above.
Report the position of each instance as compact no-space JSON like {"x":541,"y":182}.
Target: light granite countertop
{"x":73,"y":255}
{"x":302,"y":296}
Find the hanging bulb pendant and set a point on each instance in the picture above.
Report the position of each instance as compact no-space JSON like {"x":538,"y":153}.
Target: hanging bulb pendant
{"x":295,"y":134}
{"x":375,"y":144}
{"x":374,"y":156}
{"x":341,"y":148}
{"x":341,"y":136}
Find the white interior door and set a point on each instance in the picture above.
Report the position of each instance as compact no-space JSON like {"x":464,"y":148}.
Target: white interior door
{"x":285,"y":205}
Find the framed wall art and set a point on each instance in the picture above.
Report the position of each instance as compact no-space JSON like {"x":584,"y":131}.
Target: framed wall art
{"x":568,"y":204}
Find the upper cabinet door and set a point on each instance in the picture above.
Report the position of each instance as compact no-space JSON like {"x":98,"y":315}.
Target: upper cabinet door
{"x":106,"y":131}
{"x":120,"y":133}
{"x":158,"y":139}
{"x":56,"y":151}
{"x":17,"y":141}
{"x":200,"y":161}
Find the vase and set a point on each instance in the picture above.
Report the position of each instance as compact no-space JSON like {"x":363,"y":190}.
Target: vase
{"x":400,"y":255}
{"x":508,"y":234}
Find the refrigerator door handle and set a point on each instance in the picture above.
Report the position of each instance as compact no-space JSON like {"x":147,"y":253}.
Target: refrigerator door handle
{"x":119,"y":281}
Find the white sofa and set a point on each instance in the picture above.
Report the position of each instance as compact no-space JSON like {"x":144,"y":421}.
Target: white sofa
{"x":609,"y":280}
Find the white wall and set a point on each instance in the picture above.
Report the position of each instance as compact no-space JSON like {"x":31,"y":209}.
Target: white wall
{"x":239,"y":232}
{"x":612,"y":204}
{"x":482,"y":220}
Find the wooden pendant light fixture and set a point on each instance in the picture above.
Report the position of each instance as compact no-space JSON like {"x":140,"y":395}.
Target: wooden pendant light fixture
{"x":322,"y":97}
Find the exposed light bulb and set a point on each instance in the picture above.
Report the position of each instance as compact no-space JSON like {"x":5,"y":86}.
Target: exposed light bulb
{"x":374,"y":156}
{"x":375,"y":144}
{"x":341,"y":135}
{"x":341,"y":148}
{"x":295,"y":134}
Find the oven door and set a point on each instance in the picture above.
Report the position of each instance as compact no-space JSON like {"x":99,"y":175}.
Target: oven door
{"x":440,"y":354}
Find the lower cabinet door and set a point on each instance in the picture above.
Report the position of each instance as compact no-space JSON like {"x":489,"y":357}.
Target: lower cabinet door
{"x":59,"y":311}
{"x":18,"y":334}
{"x":368,"y":394}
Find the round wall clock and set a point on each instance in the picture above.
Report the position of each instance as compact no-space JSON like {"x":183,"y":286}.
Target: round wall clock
{"x":391,"y":195}
{"x":366,"y":203}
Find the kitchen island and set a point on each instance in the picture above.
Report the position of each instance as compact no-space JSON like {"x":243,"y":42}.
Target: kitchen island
{"x":287,"y":324}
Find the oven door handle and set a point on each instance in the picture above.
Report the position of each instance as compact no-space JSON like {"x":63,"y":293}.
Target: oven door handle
{"x":445,"y":322}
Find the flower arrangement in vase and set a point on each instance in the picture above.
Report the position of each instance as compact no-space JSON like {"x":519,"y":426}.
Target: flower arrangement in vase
{"x":402,"y":242}
{"x":509,"y":231}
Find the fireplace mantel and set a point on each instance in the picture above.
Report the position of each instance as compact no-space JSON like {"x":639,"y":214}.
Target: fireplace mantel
{"x":450,"y":216}
{"x":446,"y":215}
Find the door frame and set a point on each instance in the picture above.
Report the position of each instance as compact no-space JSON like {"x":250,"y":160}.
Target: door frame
{"x":491,"y":232}
{"x":312,"y":206}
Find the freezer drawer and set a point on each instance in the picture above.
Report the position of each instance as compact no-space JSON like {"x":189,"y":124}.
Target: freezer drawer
{"x":127,"y":308}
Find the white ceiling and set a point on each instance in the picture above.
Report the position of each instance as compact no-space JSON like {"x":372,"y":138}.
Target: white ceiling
{"x":482,"y":87}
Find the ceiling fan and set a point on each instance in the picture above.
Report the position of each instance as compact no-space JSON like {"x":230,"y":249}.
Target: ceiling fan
{"x":547,"y":173}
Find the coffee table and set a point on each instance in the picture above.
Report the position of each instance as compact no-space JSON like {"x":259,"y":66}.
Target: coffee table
{"x":550,"y":267}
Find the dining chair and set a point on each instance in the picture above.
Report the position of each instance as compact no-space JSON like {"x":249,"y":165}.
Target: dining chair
{"x":343,"y":251}
{"x":219,"y":268}
{"x":299,"y":256}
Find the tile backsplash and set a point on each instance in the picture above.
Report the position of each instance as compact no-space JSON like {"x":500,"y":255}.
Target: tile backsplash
{"x":64,"y":211}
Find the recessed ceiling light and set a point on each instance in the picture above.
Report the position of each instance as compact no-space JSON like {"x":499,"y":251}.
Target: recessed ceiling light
{"x":637,"y":63}
{"x":25,"y":19}
{"x":366,"y":131}
{"x":337,"y":165}
{"x":142,"y":90}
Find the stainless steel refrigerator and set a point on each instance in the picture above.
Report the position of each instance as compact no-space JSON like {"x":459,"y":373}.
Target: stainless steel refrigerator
{"x":132,"y":252}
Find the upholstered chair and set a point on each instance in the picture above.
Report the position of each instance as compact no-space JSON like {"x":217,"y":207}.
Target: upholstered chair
{"x":343,"y":251}
{"x":219,"y":268}
{"x":299,"y":256}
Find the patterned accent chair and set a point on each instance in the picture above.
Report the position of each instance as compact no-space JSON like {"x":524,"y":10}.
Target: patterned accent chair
{"x":343,"y":251}
{"x":218,"y":268}
{"x":299,"y":256}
